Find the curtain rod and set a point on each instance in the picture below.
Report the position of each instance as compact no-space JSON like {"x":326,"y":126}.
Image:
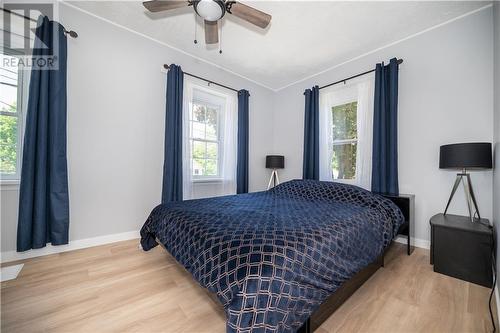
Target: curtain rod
{"x":71,"y":33}
{"x":400,"y":61}
{"x":201,"y":78}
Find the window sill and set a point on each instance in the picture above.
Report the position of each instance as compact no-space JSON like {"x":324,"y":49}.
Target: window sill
{"x":345,"y":181}
{"x":207,"y":181}
{"x":9,"y":184}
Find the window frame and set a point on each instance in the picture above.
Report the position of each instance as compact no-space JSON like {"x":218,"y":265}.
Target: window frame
{"x":342,"y":142}
{"x":20,"y":114}
{"x":215,"y":101}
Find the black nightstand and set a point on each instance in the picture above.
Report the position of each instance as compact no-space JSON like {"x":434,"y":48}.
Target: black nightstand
{"x":462,"y":249}
{"x":406,"y":202}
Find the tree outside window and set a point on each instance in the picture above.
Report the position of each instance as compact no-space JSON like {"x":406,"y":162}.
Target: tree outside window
{"x":205,"y":140}
{"x":344,"y":130}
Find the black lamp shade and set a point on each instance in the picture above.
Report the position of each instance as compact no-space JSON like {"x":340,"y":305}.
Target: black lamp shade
{"x":275,"y":162}
{"x":474,"y":155}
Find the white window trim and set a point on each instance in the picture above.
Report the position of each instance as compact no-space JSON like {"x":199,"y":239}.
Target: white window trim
{"x":10,"y":180}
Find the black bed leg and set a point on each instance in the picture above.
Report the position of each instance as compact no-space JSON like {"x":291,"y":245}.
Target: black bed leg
{"x":306,"y":328}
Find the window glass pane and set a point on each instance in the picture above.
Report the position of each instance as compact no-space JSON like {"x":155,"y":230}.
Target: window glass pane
{"x":8,"y":144}
{"x":198,"y":130}
{"x":199,"y":148}
{"x":344,"y":121}
{"x":8,"y":129}
{"x":8,"y":159}
{"x":211,"y":124}
{"x":212,"y":150}
{"x":8,"y":79}
{"x":211,"y":168}
{"x":198,"y":113}
{"x":211,"y":116}
{"x":344,"y":161}
{"x":198,"y":165}
{"x":211,"y":132}
{"x":8,"y":98}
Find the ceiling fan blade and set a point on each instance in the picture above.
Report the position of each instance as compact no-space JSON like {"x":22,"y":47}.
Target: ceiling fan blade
{"x":161,"y":5}
{"x":250,"y":14}
{"x":211,"y":32}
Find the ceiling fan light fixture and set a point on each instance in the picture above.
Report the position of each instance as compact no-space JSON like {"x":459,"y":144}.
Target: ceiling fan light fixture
{"x":210,"y":10}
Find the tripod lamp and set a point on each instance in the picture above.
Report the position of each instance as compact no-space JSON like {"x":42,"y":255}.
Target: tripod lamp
{"x":274,"y":162}
{"x":465,"y":156}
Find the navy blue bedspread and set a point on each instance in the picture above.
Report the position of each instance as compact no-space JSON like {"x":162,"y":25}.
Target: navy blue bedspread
{"x":273,"y":257}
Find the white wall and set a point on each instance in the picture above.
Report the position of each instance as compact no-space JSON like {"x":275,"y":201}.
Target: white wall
{"x":116,"y":115}
{"x":445,"y":96}
{"x":496,"y":123}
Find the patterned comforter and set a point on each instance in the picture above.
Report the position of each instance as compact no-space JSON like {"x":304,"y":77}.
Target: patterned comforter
{"x":273,"y":257}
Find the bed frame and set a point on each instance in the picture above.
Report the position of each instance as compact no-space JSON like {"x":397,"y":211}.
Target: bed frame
{"x":406,"y":202}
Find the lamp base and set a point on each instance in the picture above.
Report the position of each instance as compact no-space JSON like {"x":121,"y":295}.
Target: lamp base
{"x":274,"y":180}
{"x":464,"y":178}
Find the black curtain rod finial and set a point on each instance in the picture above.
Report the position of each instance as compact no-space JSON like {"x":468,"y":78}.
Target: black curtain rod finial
{"x":71,"y":33}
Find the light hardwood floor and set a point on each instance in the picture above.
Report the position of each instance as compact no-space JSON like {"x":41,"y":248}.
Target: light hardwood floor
{"x":120,"y":288}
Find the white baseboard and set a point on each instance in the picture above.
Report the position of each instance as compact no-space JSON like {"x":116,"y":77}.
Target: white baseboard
{"x":421,"y":243}
{"x":101,"y":240}
{"x":73,"y":245}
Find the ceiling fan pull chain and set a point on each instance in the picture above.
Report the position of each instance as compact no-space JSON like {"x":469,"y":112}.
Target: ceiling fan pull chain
{"x":195,"y":28}
{"x":220,"y":38}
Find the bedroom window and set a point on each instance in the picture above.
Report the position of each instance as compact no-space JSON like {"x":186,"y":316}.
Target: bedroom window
{"x":346,"y":131}
{"x":345,"y":140}
{"x":210,"y":120}
{"x":205,"y":138}
{"x":12,"y":83}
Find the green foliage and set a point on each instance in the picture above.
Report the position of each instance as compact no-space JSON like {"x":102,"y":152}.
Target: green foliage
{"x":344,"y":127}
{"x":344,"y":161}
{"x":8,"y":141}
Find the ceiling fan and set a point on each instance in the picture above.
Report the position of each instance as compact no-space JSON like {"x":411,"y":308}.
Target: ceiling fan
{"x":212,"y":11}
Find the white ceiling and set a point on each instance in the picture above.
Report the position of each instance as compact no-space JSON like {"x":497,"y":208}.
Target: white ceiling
{"x":304,"y":37}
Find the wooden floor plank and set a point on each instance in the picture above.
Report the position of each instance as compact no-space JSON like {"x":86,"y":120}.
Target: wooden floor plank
{"x":119,"y":288}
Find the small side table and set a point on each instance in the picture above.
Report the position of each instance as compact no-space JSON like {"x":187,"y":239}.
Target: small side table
{"x":462,"y":249}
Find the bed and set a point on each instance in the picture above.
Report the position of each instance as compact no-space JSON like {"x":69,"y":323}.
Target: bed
{"x":278,"y":260}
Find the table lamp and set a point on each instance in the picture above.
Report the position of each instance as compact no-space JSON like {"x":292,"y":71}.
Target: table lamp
{"x":465,"y":156}
{"x":274,"y":162}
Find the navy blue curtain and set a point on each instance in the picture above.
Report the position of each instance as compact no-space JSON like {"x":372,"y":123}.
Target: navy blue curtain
{"x":310,"y":168}
{"x":385,"y":129}
{"x":43,"y":198}
{"x":242,"y":158}
{"x":172,"y":165}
